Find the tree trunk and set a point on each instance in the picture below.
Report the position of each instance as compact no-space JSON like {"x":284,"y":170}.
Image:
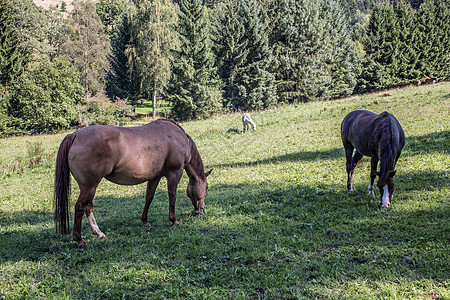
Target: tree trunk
{"x":154,"y":101}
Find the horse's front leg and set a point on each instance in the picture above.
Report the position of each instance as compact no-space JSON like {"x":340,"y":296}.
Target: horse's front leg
{"x":151,"y":189}
{"x":172,"y":183}
{"x":373,"y":173}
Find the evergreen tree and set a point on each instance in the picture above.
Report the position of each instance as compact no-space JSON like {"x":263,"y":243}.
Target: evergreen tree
{"x":12,"y":61}
{"x":342,"y":60}
{"x":408,"y":47}
{"x":434,"y":39}
{"x":30,"y":24}
{"x":121,"y":82}
{"x":110,"y":12}
{"x":258,"y":81}
{"x":381,"y":44}
{"x":194,"y":89}
{"x":245,"y":65}
{"x":315,"y":57}
{"x":231,"y":52}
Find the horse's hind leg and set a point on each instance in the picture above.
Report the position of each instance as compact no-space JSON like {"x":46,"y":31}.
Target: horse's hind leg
{"x":94,"y":226}
{"x":151,"y":189}
{"x":82,"y":206}
{"x":373,"y":173}
{"x":348,"y":157}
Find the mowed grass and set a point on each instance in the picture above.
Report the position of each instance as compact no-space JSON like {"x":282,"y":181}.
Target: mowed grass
{"x":279,"y":223}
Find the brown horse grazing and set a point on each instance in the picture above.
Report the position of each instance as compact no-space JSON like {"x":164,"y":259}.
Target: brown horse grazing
{"x":126,"y":156}
{"x":379,"y":136}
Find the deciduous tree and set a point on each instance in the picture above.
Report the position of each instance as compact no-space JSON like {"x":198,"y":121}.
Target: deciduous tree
{"x":87,"y":46}
{"x":153,"y":37}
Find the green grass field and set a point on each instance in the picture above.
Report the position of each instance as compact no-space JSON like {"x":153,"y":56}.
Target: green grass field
{"x":146,"y":108}
{"x":279,"y":223}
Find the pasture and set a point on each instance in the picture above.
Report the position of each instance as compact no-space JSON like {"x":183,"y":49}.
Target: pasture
{"x":279,"y":222}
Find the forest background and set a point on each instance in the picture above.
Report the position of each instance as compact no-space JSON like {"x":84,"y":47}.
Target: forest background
{"x":79,"y":63}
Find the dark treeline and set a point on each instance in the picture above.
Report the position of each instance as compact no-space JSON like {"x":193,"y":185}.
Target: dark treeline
{"x":94,"y":63}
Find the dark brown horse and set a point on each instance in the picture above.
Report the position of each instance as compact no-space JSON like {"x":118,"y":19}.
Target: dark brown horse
{"x":379,"y":136}
{"x":126,"y":156}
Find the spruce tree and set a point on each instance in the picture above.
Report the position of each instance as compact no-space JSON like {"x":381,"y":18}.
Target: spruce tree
{"x":342,"y":60}
{"x":245,"y":57}
{"x":11,"y":59}
{"x":120,"y":80}
{"x":315,"y":57}
{"x":381,"y":45}
{"x":194,"y":87}
{"x":231,"y":52}
{"x":408,"y":46}
{"x":434,"y":39}
{"x":255,"y":76}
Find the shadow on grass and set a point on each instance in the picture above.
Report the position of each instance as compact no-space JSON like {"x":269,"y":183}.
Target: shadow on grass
{"x":415,"y":181}
{"x":290,"y":157}
{"x":29,"y":217}
{"x":436,"y":142}
{"x":251,"y":237}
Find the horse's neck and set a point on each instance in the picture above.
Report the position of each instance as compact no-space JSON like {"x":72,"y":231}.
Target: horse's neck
{"x":194,"y":168}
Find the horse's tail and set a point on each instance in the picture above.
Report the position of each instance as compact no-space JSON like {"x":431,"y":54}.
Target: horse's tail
{"x":62,"y":186}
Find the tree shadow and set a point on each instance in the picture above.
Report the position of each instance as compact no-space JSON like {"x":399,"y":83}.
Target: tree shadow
{"x":436,"y":142}
{"x":333,"y":154}
{"x":298,"y":232}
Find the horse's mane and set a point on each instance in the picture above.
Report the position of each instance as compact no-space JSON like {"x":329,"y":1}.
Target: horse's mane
{"x":383,"y":133}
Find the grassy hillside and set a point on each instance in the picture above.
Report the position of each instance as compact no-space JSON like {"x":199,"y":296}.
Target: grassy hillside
{"x":279,"y":223}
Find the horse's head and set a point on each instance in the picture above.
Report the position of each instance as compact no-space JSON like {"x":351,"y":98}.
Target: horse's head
{"x":196,"y":191}
{"x":386,"y":186}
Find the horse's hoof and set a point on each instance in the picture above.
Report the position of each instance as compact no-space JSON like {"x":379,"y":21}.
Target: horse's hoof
{"x":175,"y":223}
{"x":146,"y":224}
{"x":101,"y":235}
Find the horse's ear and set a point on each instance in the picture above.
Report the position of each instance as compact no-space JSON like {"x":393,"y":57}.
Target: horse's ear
{"x":207,"y":173}
{"x":379,"y":174}
{"x":392,"y":174}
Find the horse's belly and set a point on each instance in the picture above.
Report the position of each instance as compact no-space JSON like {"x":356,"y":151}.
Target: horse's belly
{"x":134,"y":174}
{"x":126,"y":180}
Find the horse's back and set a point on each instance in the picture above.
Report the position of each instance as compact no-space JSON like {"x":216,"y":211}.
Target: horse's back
{"x":354,"y":129}
{"x":127,"y":155}
{"x":359,"y":128}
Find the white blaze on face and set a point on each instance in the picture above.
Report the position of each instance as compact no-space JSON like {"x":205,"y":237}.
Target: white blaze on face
{"x":385,"y":199}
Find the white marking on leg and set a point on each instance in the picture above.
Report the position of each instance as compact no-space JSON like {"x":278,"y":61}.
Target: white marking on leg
{"x":94,"y":226}
{"x":385,"y":199}
{"x":371,"y":190}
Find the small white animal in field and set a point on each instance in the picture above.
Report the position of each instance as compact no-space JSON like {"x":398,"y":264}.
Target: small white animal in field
{"x":246,"y":120}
